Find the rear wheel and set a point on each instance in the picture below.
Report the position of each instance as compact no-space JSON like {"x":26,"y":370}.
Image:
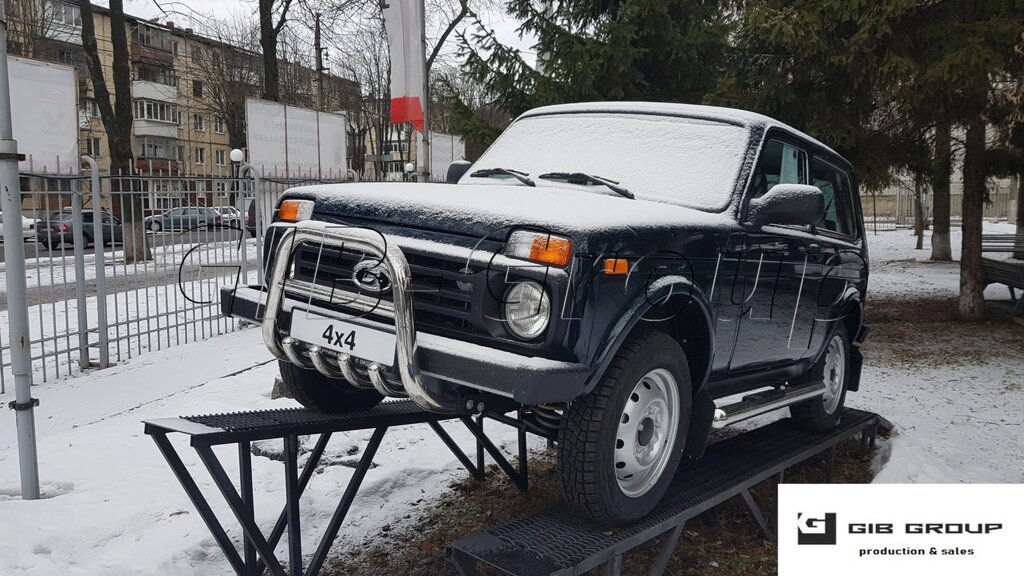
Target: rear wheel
{"x":619,"y":446}
{"x":314,"y":390}
{"x":822,"y":414}
{"x":156,"y":226}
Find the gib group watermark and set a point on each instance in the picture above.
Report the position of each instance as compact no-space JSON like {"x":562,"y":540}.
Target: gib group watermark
{"x":899,"y":529}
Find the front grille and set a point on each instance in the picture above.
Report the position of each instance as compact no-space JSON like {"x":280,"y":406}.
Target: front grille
{"x":442,"y":288}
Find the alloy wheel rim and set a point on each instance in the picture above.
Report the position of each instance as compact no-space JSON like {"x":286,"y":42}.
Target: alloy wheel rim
{"x":646,"y":433}
{"x":835,"y":373}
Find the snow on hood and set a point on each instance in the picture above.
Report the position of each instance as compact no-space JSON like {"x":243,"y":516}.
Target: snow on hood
{"x":492,"y":209}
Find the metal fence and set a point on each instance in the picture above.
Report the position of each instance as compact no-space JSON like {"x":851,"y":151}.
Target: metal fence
{"x":91,"y":303}
{"x":895,"y":208}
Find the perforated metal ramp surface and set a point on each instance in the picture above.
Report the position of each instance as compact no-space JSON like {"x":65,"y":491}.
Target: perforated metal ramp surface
{"x":263,"y":424}
{"x":558,"y":542}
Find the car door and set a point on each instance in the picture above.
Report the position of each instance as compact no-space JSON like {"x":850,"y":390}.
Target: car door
{"x":774,"y":265}
{"x":839,"y":235}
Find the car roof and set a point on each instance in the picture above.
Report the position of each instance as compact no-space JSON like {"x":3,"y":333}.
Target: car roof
{"x":715,"y":113}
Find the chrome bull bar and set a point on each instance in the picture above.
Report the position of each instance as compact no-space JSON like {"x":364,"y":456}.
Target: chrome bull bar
{"x":391,"y":257}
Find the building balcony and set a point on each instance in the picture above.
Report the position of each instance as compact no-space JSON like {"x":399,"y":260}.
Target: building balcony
{"x":143,"y":127}
{"x":150,"y":55}
{"x":155,"y":165}
{"x":154,"y":91}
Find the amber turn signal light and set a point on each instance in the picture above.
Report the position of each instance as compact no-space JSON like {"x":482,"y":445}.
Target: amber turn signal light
{"x":295,"y":211}
{"x":616,"y":266}
{"x":539,"y":247}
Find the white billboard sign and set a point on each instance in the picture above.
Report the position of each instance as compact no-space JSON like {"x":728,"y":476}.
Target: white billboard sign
{"x":44,"y":114}
{"x":295,"y":142}
{"x":445,"y":149}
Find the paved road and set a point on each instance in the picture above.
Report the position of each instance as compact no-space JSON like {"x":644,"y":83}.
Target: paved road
{"x":34,"y":249}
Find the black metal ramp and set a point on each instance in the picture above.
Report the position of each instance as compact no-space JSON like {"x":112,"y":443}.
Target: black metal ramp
{"x":242,"y":428}
{"x":557,"y":542}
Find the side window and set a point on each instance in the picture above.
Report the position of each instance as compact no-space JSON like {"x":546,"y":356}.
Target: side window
{"x":105,"y":218}
{"x":780,"y":163}
{"x":835,"y":185}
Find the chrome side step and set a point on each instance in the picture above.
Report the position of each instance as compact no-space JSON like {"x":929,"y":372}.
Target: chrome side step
{"x":763,"y":402}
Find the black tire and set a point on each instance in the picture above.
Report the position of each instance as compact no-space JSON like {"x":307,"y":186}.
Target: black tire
{"x":155,"y":226}
{"x":814,"y":414}
{"x":587,"y":436}
{"x":87,"y":239}
{"x":314,"y":390}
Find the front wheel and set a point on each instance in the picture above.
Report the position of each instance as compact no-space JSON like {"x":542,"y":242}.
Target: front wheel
{"x":156,"y":226}
{"x":619,"y":446}
{"x":822,"y":414}
{"x":314,"y":390}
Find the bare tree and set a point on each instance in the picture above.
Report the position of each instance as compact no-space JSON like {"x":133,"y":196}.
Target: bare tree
{"x":117,"y":117}
{"x":269,"y":32}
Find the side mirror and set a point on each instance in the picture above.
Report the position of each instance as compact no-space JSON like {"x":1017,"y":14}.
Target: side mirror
{"x":796,"y":204}
{"x":456,"y":170}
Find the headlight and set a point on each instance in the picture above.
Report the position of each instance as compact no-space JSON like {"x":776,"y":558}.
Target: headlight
{"x":527,"y":309}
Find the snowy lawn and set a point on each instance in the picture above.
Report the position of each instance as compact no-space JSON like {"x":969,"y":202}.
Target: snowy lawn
{"x":955,"y":393}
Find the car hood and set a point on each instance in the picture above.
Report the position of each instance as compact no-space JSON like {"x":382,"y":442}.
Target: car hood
{"x":491,"y":210}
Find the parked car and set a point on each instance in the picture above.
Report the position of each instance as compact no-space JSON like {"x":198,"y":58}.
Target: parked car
{"x":183,"y":218}
{"x":58,"y":228}
{"x":229,"y":216}
{"x":28,"y":228}
{"x":250,"y":219}
{"x":617,"y":271}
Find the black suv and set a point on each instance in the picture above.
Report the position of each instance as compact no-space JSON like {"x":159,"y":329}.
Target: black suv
{"x":616,"y":270}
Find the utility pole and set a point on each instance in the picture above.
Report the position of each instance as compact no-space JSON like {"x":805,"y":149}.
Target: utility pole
{"x":423,"y":149}
{"x":17,"y":314}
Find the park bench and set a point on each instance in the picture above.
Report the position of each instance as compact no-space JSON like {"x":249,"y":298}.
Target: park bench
{"x":1008,"y":272}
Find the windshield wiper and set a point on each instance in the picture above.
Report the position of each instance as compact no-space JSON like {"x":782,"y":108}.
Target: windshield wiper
{"x":583,"y":178}
{"x":488,"y":172}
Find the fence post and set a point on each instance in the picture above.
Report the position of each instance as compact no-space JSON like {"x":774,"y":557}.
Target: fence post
{"x":245,"y":171}
{"x":17,"y":303}
{"x":101,"y":280}
{"x":79,"y":256}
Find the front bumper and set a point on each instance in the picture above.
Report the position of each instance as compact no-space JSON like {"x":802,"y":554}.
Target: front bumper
{"x":423,"y":360}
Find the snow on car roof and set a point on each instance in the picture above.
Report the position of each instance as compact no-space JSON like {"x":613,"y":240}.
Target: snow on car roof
{"x":718,"y":113}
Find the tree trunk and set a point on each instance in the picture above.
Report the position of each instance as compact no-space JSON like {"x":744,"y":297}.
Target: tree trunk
{"x":918,"y":212}
{"x":972,"y":303}
{"x":268,"y":42}
{"x":117,"y":121}
{"x":941,"y":168}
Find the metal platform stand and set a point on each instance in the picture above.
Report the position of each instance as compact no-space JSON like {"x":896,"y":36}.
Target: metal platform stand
{"x":556,"y":542}
{"x":242,"y":428}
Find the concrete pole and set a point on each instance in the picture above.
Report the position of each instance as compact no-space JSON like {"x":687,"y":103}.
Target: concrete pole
{"x":14,"y":244}
{"x":423,"y":142}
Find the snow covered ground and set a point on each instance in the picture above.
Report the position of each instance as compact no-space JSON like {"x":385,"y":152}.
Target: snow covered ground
{"x":112,"y":506}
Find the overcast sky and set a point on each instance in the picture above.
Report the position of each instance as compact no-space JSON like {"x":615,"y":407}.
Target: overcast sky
{"x":503,"y":27}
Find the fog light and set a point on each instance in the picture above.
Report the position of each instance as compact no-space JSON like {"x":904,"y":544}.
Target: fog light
{"x":527,"y":309}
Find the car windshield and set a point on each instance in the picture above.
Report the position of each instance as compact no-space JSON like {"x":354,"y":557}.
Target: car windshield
{"x":689,"y":161}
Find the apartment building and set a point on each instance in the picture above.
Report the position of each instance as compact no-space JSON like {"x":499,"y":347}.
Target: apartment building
{"x":188,"y":91}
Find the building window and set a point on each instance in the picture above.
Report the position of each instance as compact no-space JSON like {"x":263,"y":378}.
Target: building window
{"x":197,"y":54}
{"x":159,"y":111}
{"x":215,"y":58}
{"x":67,"y":14}
{"x":200,"y":155}
{"x":197,"y":88}
{"x":176,"y":48}
{"x":218,"y":124}
{"x":158,"y":147}
{"x":220,"y":157}
{"x":153,"y":37}
{"x":66,"y":56}
{"x":93,"y":147}
{"x":222,"y":189}
{"x":90,"y":108}
{"x":198,"y":123}
{"x":158,"y":75}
